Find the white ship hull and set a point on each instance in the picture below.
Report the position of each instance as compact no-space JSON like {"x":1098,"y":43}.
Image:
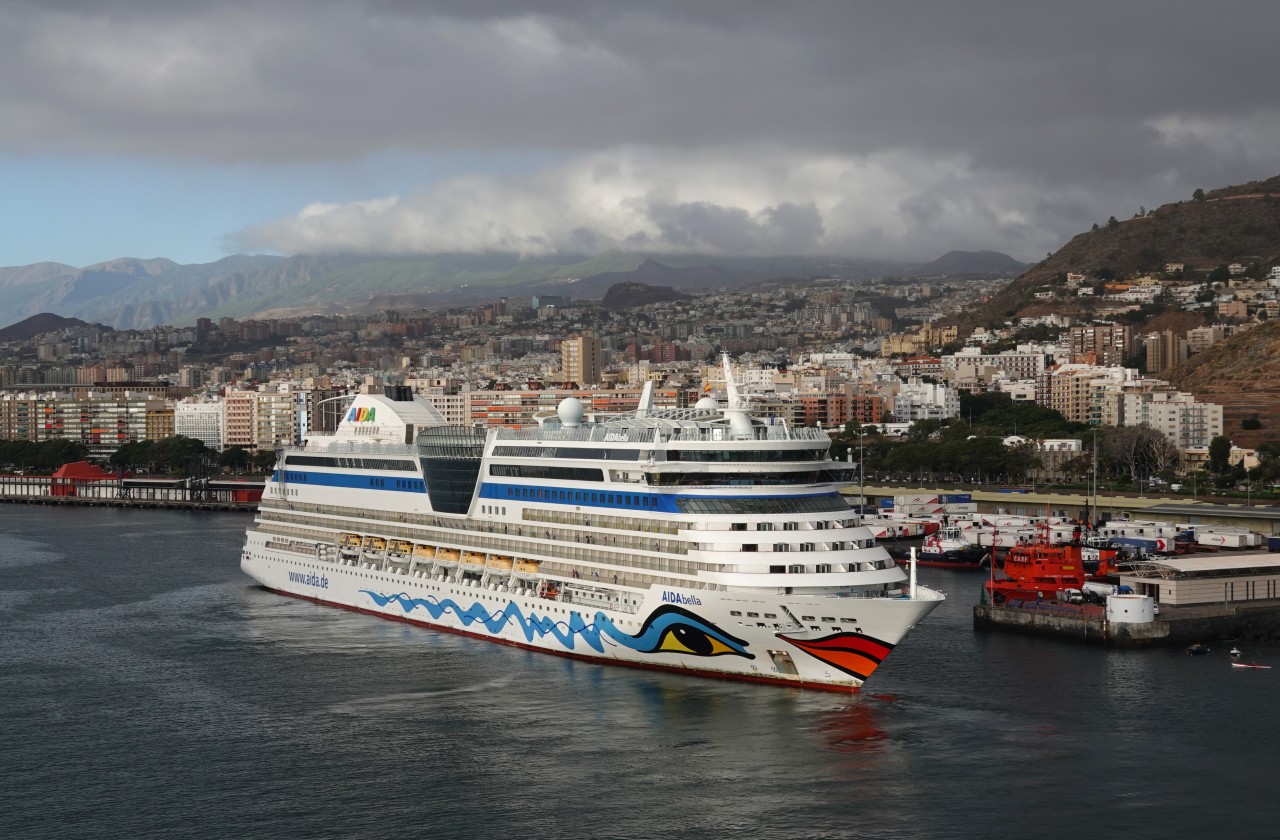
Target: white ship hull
{"x":722,"y":640}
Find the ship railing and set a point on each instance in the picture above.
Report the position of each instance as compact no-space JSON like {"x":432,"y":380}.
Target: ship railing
{"x":595,"y":434}
{"x":722,"y":435}
{"x":620,"y":600}
{"x":362,"y":448}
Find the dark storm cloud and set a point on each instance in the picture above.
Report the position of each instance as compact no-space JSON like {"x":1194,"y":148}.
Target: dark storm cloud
{"x":1046,"y":115}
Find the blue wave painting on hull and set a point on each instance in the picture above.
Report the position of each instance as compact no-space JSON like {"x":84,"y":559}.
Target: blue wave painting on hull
{"x":668,"y":629}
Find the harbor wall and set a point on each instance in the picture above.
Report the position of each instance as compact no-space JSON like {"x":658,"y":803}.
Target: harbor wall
{"x":1256,"y":622}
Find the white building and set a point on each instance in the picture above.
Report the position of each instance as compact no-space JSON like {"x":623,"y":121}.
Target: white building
{"x":1018,"y":365}
{"x":1178,"y":416}
{"x":916,"y":400}
{"x":199,"y":420}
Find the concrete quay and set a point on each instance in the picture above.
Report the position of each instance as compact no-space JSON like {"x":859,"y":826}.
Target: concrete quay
{"x":1251,"y":621}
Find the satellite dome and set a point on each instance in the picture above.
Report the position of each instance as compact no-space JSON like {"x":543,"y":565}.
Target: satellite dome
{"x":707,"y":404}
{"x":570,"y":412}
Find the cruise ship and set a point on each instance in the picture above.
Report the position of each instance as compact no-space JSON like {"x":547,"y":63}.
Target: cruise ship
{"x":701,"y":540}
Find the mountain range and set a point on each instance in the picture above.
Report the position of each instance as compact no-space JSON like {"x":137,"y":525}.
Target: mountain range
{"x":140,"y":293}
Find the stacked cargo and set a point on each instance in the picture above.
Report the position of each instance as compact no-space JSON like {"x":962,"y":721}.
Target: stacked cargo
{"x":1225,"y":536}
{"x":933,"y":504}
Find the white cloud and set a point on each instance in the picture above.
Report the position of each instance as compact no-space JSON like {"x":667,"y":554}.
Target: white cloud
{"x":727,"y":200}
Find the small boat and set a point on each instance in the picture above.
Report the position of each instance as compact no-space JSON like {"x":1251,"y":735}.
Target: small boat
{"x":1235,"y":652}
{"x":1197,"y":649}
{"x":1250,"y":665}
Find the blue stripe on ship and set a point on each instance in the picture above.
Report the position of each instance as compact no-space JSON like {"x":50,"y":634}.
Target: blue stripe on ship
{"x":629,"y":500}
{"x":352,"y":480}
{"x":626,"y":500}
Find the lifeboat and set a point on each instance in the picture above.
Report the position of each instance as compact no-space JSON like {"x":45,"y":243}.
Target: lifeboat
{"x":500,"y":564}
{"x":375,"y":544}
{"x":526,"y":567}
{"x":424,"y":552}
{"x":349,"y":540}
{"x":472,"y":558}
{"x":448,"y":557}
{"x":401,"y":548}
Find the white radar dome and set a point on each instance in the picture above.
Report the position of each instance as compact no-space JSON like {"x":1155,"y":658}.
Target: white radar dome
{"x":570,"y":412}
{"x":707,"y":404}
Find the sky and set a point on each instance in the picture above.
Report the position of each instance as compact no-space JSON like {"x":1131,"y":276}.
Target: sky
{"x":894,"y":130}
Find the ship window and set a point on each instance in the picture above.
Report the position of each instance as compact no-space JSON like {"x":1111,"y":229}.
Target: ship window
{"x":833,"y":627}
{"x":753,"y":615}
{"x":735,"y":612}
{"x":770,"y":615}
{"x":849,"y":620}
{"x":822,"y":568}
{"x":807,"y":617}
{"x":777,"y":570}
{"x":814,"y":627}
{"x":828,"y":618}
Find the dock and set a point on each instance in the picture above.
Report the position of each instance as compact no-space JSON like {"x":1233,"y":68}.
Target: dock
{"x":209,"y":494}
{"x":163,"y":504}
{"x":1245,"y":621}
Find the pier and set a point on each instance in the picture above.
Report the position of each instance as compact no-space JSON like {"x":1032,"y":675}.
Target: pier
{"x":120,"y":491}
{"x":1251,"y":621}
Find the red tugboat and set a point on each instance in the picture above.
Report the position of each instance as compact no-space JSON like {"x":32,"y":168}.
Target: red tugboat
{"x":1041,"y":570}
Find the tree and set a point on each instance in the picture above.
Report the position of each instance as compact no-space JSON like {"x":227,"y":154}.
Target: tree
{"x":264,"y":460}
{"x":1136,"y":451}
{"x":1251,"y":423}
{"x":1219,"y":453}
{"x":1221,"y":274}
{"x":1198,"y":195}
{"x":234,"y":458}
{"x":1113,"y":222}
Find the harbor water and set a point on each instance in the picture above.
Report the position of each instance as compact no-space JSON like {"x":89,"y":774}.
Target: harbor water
{"x":147,"y":689}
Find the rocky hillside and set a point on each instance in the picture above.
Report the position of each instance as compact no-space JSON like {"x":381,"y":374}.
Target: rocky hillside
{"x":45,"y":322}
{"x":1243,"y":375}
{"x":1232,"y":223}
{"x":626,"y":295}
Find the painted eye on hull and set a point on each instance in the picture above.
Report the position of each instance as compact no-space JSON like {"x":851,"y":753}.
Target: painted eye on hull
{"x":683,"y":638}
{"x":671,"y":629}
